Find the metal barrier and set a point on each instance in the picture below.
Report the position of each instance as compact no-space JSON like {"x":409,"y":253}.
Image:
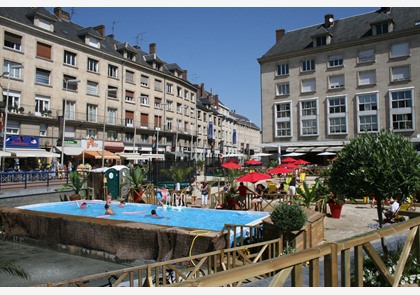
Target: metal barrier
{"x":31,"y":179}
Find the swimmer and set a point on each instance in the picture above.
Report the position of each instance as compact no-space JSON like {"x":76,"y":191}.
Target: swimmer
{"x":108,"y":210}
{"x":83,"y":206}
{"x":154,"y":214}
{"x":122,"y":204}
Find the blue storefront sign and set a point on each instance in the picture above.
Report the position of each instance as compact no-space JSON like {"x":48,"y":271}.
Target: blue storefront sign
{"x":17,"y":141}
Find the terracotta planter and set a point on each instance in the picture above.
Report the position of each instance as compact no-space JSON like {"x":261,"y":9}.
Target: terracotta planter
{"x":335,"y":210}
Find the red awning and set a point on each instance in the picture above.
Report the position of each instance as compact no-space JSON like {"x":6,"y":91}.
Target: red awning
{"x":114,"y":146}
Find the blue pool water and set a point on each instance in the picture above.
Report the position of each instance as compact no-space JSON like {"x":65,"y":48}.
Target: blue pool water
{"x":206,"y":219}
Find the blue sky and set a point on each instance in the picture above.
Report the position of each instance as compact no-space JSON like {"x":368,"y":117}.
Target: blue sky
{"x":218,"y":46}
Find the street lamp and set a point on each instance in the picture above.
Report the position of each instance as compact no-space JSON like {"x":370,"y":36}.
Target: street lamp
{"x":108,"y":90}
{"x":6,"y":106}
{"x":70,"y":81}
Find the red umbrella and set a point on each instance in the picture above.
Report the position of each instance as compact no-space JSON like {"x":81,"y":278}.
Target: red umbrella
{"x":253,"y":162}
{"x":231,"y":165}
{"x":301,"y":162}
{"x":290,"y":166}
{"x":253,"y":177}
{"x":288,"y":160}
{"x":279,"y":170}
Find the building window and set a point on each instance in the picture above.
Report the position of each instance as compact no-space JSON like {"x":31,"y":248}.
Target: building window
{"x":129,"y":96}
{"x":15,"y":73}
{"x":308,"y":117}
{"x":129,"y":118}
{"x":69,"y":86}
{"x":144,"y":81}
{"x":44,"y":24}
{"x":308,"y":85}
{"x":192,"y":97}
{"x":144,"y":120}
{"x":113,"y":71}
{"x":158,"y":85}
{"x":186,"y":95}
{"x":400,"y":73}
{"x":92,"y":112}
{"x":282,"y":70}
{"x":69,"y":58}
{"x":112,"y":92}
{"x":91,"y":133}
{"x":308,"y":65}
{"x":129,"y":76}
{"x":144,"y":99}
{"x":169,"y":88}
{"x":168,"y":124}
{"x":179,"y":91}
{"x":12,"y":41}
{"x":366,"y":78}
{"x":112,"y":116}
{"x":13,"y":101}
{"x":283,"y":119}
{"x":335,"y":61}
{"x":367,"y":55}
{"x":111,"y":135}
{"x":43,"y":50}
{"x":43,"y":130}
{"x":367,"y":112}
{"x":283,"y":89}
{"x":380,"y":29}
{"x":42,"y":76}
{"x":337,"y":118}
{"x":93,"y":65}
{"x":13,"y":128}
{"x":70,"y":111}
{"x":321,"y":40}
{"x":92,"y":88}
{"x":42,"y":103}
{"x":400,"y":50}
{"x":93,"y":42}
{"x":402,"y":109}
{"x":169,"y":106}
{"x":144,"y":138}
{"x":335,"y":82}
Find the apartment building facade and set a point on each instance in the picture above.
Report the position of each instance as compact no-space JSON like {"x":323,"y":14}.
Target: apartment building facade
{"x":62,"y":76}
{"x":328,"y":83}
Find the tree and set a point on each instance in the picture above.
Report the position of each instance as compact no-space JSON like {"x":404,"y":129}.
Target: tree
{"x":178,"y":174}
{"x":287,"y":218}
{"x":135,"y":180}
{"x":77,"y":183}
{"x":379,"y":165}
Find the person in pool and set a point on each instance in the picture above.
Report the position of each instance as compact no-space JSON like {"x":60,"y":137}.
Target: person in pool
{"x":108,"y":210}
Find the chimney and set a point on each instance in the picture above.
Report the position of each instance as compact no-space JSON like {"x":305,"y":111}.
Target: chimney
{"x":328,"y":20}
{"x":152,"y":48}
{"x":185,"y":75}
{"x":201,"y":90}
{"x":111,"y":36}
{"x":61,"y":14}
{"x":216,"y":101}
{"x":279,"y":35}
{"x":100,"y":29}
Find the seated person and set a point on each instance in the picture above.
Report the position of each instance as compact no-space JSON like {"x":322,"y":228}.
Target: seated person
{"x":241,"y":197}
{"x":390,"y":212}
{"x":259,"y":196}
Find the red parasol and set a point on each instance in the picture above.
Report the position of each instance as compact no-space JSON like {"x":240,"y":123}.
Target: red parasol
{"x":231,"y":165}
{"x":290,"y":166}
{"x":279,"y":170}
{"x":253,"y":177}
{"x":301,"y":162}
{"x":253,"y":162}
{"x":288,"y":160}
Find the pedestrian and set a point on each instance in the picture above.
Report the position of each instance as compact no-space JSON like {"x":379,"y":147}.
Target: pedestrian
{"x":292,"y":186}
{"x":205,"y":190}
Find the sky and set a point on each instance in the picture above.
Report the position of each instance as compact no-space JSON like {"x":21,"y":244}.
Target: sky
{"x":218,"y":46}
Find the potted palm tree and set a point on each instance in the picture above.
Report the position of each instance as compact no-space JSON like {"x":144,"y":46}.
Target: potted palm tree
{"x":77,"y":184}
{"x":136,"y":178}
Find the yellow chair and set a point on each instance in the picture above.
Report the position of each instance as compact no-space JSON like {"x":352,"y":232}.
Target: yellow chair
{"x":272,"y":188}
{"x":302,"y":176}
{"x":404,"y":207}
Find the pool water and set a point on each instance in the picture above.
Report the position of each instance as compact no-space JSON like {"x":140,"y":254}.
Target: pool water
{"x":205,"y":219}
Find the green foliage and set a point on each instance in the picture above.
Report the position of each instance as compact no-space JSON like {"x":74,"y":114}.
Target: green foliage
{"x":135,"y":178}
{"x":77,"y":182}
{"x":308,"y":195}
{"x":288,"y":217}
{"x":13,"y":269}
{"x":231,"y":178}
{"x":200,"y":164}
{"x":177,"y":174}
{"x":376,"y":165}
{"x":273,"y":164}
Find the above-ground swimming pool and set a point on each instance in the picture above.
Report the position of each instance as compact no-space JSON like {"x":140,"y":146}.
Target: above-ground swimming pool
{"x":195,"y":218}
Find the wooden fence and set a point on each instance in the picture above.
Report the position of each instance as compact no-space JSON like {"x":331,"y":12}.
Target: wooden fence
{"x":332,"y":264}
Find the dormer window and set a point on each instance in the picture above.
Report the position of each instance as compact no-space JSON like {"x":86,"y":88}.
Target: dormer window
{"x":381,"y":29}
{"x":93,"y":42}
{"x":322,"y":40}
{"x":44,"y":24}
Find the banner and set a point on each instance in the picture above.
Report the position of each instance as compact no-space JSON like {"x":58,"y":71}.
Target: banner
{"x":234,"y":136}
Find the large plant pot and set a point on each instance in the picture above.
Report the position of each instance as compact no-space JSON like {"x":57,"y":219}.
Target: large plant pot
{"x":335,"y":210}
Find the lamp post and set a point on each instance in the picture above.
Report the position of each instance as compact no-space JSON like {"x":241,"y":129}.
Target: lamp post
{"x":108,"y":90}
{"x":6,"y":106}
{"x":71,"y":81}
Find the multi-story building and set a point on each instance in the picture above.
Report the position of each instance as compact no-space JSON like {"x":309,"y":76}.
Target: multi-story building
{"x":82,"y":86}
{"x":328,"y":83}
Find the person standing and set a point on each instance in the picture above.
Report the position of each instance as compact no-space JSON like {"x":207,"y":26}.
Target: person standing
{"x":240,"y":199}
{"x":292,"y":186}
{"x":205,"y":190}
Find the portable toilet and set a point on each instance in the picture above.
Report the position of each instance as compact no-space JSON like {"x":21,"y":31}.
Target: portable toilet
{"x":116,"y":181}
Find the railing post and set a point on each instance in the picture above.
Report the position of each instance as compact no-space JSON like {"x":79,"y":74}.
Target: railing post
{"x":331,"y":267}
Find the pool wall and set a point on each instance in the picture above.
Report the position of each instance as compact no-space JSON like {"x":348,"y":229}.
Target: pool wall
{"x":122,"y":240}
